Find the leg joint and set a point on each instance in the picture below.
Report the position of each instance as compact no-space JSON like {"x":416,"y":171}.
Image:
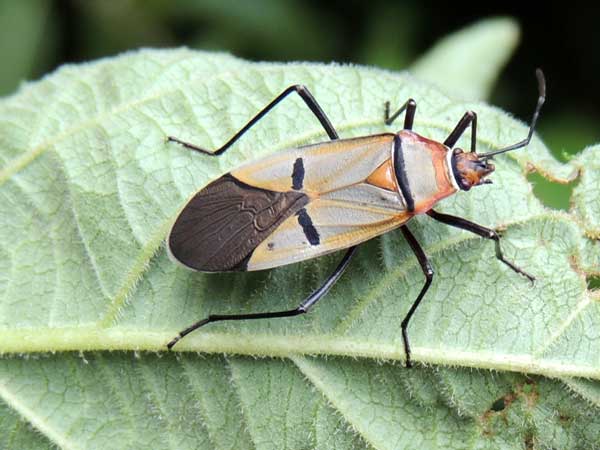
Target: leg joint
{"x":429,"y":272}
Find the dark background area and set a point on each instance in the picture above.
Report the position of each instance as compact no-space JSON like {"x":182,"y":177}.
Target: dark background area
{"x":36,"y":36}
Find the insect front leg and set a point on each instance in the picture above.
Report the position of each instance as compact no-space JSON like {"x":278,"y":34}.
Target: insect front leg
{"x":482,"y":231}
{"x":428,"y":272}
{"x":302,"y":308}
{"x":301,"y":90}
{"x":409,"y":118}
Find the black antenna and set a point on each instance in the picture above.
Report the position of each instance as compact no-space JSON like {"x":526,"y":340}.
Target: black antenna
{"x":541,"y":99}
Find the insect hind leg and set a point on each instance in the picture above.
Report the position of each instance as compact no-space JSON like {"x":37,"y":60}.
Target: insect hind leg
{"x":304,"y":94}
{"x":302,"y":308}
{"x":428,"y":272}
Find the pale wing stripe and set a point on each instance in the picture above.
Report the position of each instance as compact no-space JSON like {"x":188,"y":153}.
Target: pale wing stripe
{"x":293,"y":247}
{"x":327,"y":165}
{"x":367,"y":194}
{"x":328,"y":213}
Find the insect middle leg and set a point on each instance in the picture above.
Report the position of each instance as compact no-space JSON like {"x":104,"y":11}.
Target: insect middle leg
{"x":409,"y":118}
{"x":301,"y":90}
{"x":469,"y":119}
{"x":482,"y":231}
{"x":428,"y":272}
{"x":302,"y":308}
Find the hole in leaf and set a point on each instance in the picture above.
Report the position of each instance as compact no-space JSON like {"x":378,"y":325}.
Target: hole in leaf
{"x":593,"y":282}
{"x":568,"y":132}
{"x":565,"y":418}
{"x":551,"y":194}
{"x":498,"y":405}
{"x":529,"y":441}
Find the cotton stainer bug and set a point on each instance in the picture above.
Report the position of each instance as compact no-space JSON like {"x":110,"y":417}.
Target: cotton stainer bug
{"x":312,"y":200}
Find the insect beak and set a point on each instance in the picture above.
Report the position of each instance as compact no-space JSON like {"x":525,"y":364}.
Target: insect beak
{"x":484,"y":168}
{"x":470,"y":170}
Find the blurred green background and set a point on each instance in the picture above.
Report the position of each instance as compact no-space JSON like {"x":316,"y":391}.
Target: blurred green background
{"x":36,"y":36}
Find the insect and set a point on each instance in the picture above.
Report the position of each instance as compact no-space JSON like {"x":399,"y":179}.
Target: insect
{"x":308,"y":201}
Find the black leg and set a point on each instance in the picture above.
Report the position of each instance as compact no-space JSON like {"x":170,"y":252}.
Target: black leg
{"x":410,"y":106}
{"x":302,"y":308}
{"x":470,"y":118}
{"x":302,"y":91}
{"x":487,"y":233}
{"x":428,"y":271}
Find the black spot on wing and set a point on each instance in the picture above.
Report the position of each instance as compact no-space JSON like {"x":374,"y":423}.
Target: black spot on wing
{"x":308,"y":228}
{"x":298,"y":174}
{"x":222,"y":224}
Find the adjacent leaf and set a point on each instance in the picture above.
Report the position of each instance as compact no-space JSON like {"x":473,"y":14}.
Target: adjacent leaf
{"x":89,"y":189}
{"x":468,"y":62}
{"x":29,"y":21}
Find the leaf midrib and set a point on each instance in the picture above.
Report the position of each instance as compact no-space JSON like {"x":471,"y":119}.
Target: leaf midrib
{"x":100,"y":337}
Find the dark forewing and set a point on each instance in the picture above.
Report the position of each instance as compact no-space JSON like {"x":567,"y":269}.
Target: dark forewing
{"x":223,"y":223}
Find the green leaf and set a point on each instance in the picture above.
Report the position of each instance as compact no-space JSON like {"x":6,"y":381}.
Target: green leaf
{"x":468,"y":62}
{"x":90,"y":187}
